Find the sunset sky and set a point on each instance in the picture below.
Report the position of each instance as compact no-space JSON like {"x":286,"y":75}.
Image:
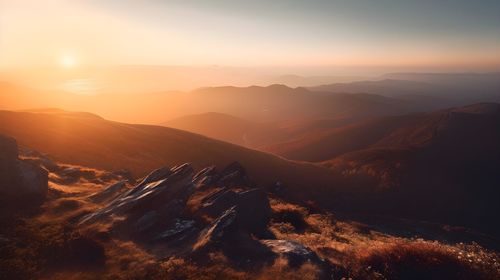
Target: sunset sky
{"x":454,"y":34}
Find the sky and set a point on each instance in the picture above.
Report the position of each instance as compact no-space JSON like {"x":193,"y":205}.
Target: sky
{"x":454,"y":34}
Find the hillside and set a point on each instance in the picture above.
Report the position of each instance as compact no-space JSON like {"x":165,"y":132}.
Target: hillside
{"x":217,"y":223}
{"x":230,"y":129}
{"x":441,"y":167}
{"x":327,"y":143}
{"x":92,"y":141}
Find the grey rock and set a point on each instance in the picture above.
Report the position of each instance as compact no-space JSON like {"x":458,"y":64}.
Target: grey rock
{"x":146,"y":221}
{"x":166,"y":195}
{"x":33,"y":179}
{"x":219,"y":202}
{"x":295,"y":252}
{"x":178,"y":229}
{"x":109,"y":193}
{"x":216,"y":231}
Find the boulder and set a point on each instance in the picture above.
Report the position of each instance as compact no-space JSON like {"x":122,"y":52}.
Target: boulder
{"x":19,"y":177}
{"x":33,"y":180}
{"x":254,"y":211}
{"x":252,"y":206}
{"x":8,"y":160}
{"x":233,"y":175}
{"x":219,"y":202}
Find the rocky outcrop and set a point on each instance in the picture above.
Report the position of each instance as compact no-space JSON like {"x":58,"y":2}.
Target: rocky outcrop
{"x":155,"y":210}
{"x":19,"y":178}
{"x":192,"y":215}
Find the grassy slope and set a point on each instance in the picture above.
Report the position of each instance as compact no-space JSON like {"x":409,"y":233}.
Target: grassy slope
{"x":93,"y":141}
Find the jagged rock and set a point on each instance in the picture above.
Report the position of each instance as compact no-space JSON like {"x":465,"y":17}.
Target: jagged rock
{"x":217,"y":203}
{"x":205,"y":172}
{"x":109,"y":193}
{"x":233,"y":175}
{"x":215,"y":232}
{"x":156,"y":210}
{"x":162,"y":192}
{"x":179,"y":229}
{"x":253,"y":207}
{"x":254,"y":211}
{"x":19,"y":177}
{"x":294,"y":252}
{"x":205,"y":177}
{"x":156,"y":175}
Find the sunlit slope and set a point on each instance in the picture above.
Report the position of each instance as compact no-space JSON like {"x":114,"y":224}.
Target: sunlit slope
{"x":232,"y":129}
{"x":92,"y":141}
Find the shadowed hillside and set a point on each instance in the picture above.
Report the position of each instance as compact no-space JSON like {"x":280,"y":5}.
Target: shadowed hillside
{"x":441,"y":167}
{"x":327,"y":143}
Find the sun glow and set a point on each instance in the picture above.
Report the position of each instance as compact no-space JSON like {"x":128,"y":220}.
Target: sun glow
{"x":67,"y":61}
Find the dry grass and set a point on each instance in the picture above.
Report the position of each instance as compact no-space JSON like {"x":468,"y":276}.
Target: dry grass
{"x":176,"y":268}
{"x":420,"y":259}
{"x":47,"y":247}
{"x":363,"y":253}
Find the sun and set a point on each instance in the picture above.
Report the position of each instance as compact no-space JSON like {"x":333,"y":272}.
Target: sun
{"x":67,"y":61}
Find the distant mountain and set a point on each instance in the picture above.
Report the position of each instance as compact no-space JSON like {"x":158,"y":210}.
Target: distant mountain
{"x":387,"y":87}
{"x":472,"y":87}
{"x":278,"y":103}
{"x":272,"y":103}
{"x":438,"y":89}
{"x":456,"y":80}
{"x":310,"y":81}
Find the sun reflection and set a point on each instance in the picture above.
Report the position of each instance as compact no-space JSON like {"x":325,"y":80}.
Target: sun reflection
{"x":81,"y":86}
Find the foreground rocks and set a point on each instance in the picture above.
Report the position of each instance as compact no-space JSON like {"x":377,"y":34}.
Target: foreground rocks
{"x":19,"y":178}
{"x":190,"y":215}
